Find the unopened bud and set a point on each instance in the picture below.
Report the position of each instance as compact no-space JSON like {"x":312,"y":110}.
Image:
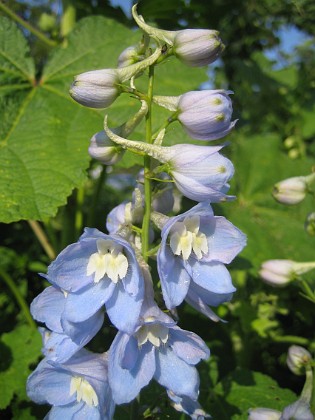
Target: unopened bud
{"x":282,"y":272}
{"x":263,"y":414}
{"x":291,"y":190}
{"x":130,"y":56}
{"x":96,"y":89}
{"x":310,"y":224}
{"x":206,"y":115}
{"x":197,"y":47}
{"x":298,"y":359}
{"x":103,"y":149}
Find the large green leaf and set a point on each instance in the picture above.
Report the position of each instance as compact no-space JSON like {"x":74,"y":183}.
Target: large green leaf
{"x":242,"y":390}
{"x":44,"y":133}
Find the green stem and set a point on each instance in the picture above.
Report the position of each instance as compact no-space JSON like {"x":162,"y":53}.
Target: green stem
{"x":312,"y":402}
{"x":78,"y":218}
{"x":20,"y":300}
{"x":29,"y":27}
{"x":290,"y":339}
{"x":147,"y":171}
{"x":96,"y":196}
{"x":42,"y":238}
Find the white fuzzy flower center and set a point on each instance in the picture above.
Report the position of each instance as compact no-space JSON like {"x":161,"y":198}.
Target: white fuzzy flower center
{"x":186,"y":238}
{"x":84,"y":391}
{"x":109,"y":260}
{"x":157,"y":334}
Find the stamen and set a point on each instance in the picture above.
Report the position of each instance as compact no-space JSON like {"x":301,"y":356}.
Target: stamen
{"x":109,"y":260}
{"x":84,"y":391}
{"x":185,"y":238}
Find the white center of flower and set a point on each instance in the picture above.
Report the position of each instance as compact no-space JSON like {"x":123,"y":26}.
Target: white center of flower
{"x":157,"y":334}
{"x":185,"y":238}
{"x":108,"y":260}
{"x":84,"y":390}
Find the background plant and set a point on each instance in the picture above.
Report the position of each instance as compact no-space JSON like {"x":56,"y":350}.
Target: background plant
{"x":46,"y":176}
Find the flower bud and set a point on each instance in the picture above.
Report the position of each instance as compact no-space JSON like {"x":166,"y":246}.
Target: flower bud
{"x":290,"y":191}
{"x":206,"y":115}
{"x":310,"y":224}
{"x":103,"y":149}
{"x":298,"y":359}
{"x":129,"y":56}
{"x":282,"y":272}
{"x":96,"y":89}
{"x":197,"y":47}
{"x":263,"y":414}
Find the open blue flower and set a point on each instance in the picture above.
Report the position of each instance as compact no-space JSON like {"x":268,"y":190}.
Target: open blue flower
{"x":157,"y":349}
{"x":77,"y":389}
{"x":195,"y":247}
{"x":65,"y":338}
{"x":99,"y":270}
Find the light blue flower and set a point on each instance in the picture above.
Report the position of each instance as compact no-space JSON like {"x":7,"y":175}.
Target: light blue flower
{"x":65,"y":338}
{"x":99,"y":270}
{"x":157,"y":349}
{"x":195,"y":247}
{"x":77,"y":389}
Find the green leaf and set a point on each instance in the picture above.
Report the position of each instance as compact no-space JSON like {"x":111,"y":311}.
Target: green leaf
{"x":19,"y":349}
{"x":45,"y":134}
{"x":244,"y":389}
{"x":274,"y":230}
{"x":15,"y":66}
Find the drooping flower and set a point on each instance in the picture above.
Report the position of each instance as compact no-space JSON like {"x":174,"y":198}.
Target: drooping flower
{"x":194,"y":249}
{"x":76,"y":389}
{"x":103,"y":149}
{"x":156,"y":349}
{"x":200,"y":173}
{"x":99,"y":270}
{"x":64,"y":338}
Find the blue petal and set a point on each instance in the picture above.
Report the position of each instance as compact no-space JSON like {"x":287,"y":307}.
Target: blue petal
{"x":68,"y":271}
{"x":211,"y":276}
{"x":47,"y":307}
{"x":126,"y":384}
{"x":173,"y":373}
{"x":174,"y":278}
{"x":58,"y":347}
{"x":225,"y":241}
{"x":81,"y":306}
{"x":188,"y":346}
{"x":75,"y":411}
{"x":123,"y":309}
{"x":49,"y":385}
{"x":82,"y":332}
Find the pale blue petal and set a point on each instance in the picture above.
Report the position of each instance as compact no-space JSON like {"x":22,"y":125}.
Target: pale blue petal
{"x":225,"y":241}
{"x":123,"y":309}
{"x":75,"y":411}
{"x":81,"y":306}
{"x":58,"y":347}
{"x":82,"y":332}
{"x":173,"y":373}
{"x":47,"y":307}
{"x":68,"y":271}
{"x":126,"y":384}
{"x":47,"y":384}
{"x":188,"y":346}
{"x":174,"y":278}
{"x":211,"y":276}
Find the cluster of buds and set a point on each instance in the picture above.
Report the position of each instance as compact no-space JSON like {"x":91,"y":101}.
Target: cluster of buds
{"x":111,"y":272}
